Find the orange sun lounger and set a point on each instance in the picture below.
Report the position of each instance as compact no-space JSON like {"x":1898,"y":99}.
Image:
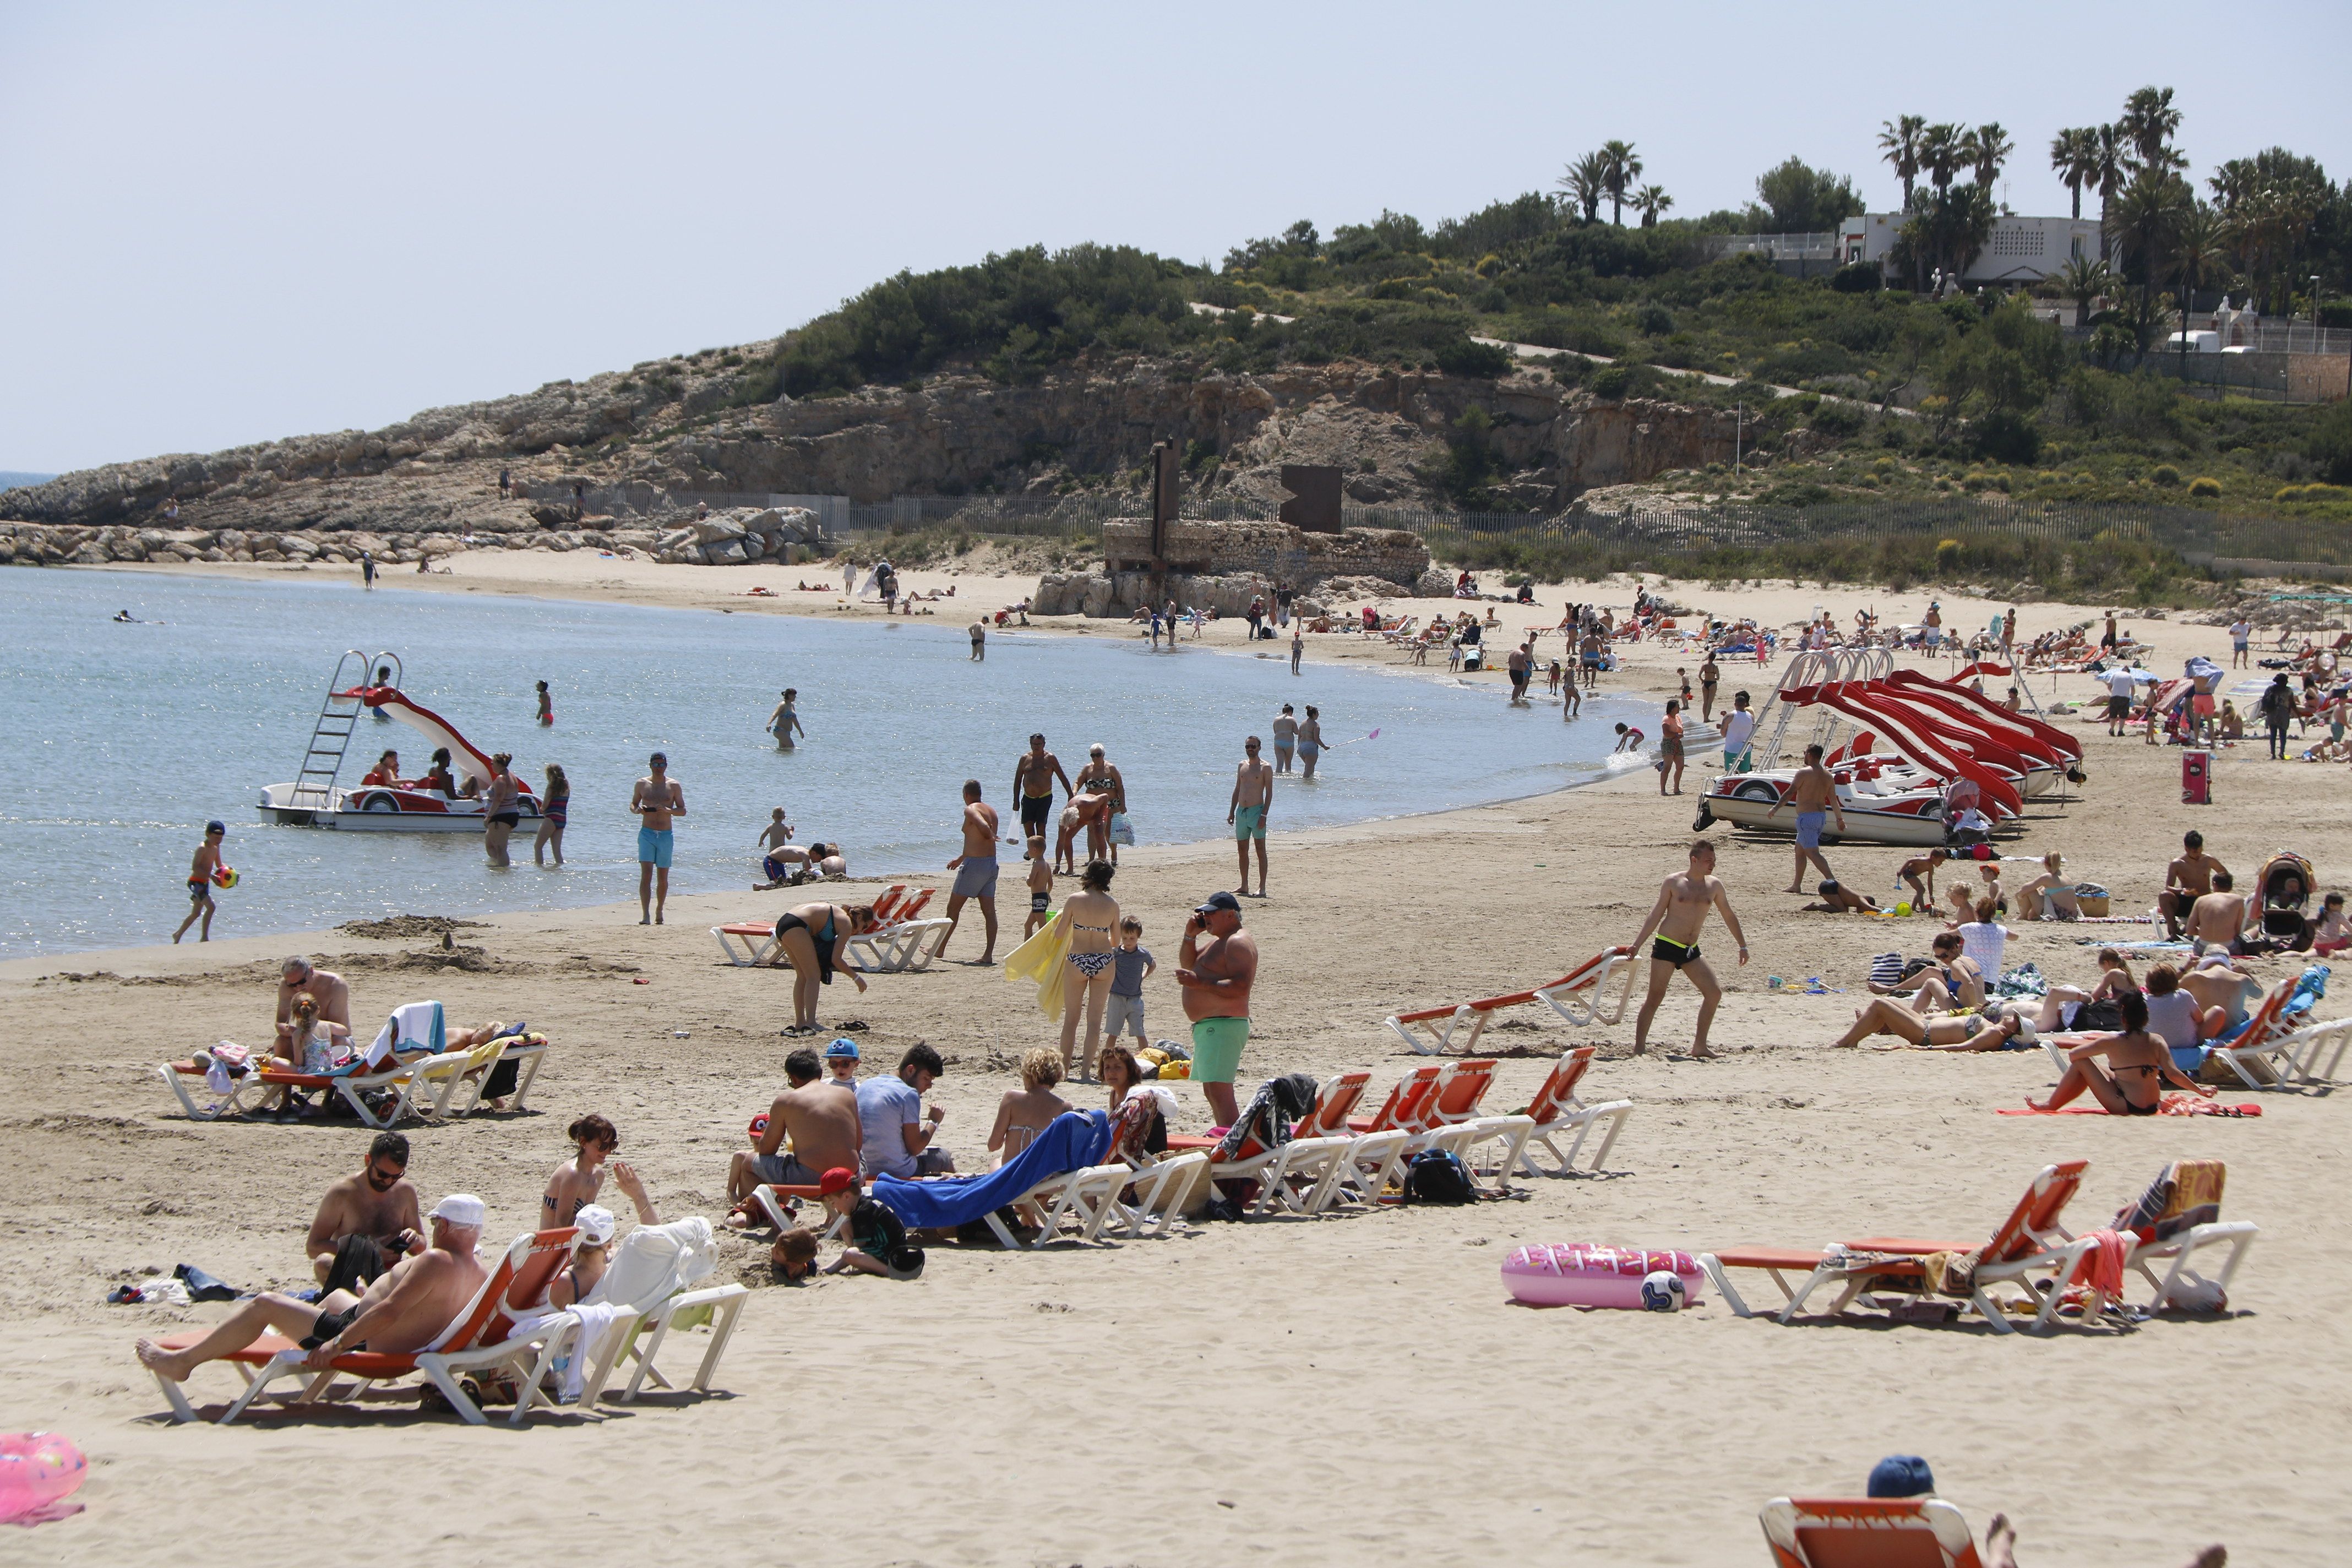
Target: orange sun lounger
{"x":2028,"y":1243}
{"x":1576,"y":996}
{"x":1867,"y":1532}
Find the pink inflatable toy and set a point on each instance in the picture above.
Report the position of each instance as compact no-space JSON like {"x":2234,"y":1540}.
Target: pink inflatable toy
{"x":36,"y":1468}
{"x":1578,"y":1274}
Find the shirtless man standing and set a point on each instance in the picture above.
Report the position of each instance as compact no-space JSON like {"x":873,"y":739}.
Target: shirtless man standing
{"x":1814,"y":795}
{"x":658,"y":802}
{"x":2217,"y":922}
{"x":1252,"y":800}
{"x":366,"y":1220}
{"x":298,"y":974}
{"x":1680,"y":911}
{"x":975,"y":871}
{"x":1033,"y":786}
{"x":2185,"y":881}
{"x":1216,"y":980}
{"x":404,"y":1311}
{"x":822,"y":1125}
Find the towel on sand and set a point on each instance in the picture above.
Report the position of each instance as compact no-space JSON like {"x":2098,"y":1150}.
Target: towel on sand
{"x":2177,"y":1104}
{"x":1071,"y":1142}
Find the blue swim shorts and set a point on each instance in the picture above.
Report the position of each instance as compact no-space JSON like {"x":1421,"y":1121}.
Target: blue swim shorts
{"x":1249,"y":822}
{"x":1809,"y":828}
{"x":653,"y":847}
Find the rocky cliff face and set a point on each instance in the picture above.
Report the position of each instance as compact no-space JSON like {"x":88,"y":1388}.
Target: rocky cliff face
{"x":710,"y":424}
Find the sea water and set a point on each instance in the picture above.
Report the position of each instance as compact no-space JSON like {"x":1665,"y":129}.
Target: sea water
{"x":122,"y":739}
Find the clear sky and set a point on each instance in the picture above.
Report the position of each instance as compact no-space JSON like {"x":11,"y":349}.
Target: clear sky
{"x":223,"y":223}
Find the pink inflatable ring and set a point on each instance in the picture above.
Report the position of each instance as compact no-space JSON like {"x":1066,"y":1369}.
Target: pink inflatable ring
{"x":1578,"y":1274}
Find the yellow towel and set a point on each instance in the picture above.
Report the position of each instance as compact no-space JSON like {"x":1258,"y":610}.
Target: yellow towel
{"x":1039,"y":961}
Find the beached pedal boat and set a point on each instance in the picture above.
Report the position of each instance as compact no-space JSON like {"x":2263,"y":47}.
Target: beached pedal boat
{"x":360,"y":685}
{"x":1900,"y":806}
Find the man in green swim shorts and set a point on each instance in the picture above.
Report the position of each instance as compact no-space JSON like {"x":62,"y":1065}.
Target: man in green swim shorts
{"x":1215,"y":980}
{"x":1253,"y":799}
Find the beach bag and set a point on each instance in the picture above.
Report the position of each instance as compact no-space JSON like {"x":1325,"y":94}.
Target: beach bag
{"x":1122,"y":832}
{"x":1439,"y":1177}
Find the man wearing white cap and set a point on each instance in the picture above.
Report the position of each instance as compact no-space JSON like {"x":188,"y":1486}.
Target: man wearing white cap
{"x":404,"y":1311}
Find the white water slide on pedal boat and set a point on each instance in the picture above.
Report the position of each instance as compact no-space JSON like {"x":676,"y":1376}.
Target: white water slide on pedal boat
{"x":360,"y":686}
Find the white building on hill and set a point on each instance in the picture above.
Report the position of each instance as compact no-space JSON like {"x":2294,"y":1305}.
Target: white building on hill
{"x":2022,"y":249}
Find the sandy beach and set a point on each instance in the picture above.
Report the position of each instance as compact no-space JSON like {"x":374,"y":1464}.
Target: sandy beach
{"x":1340,"y":1390}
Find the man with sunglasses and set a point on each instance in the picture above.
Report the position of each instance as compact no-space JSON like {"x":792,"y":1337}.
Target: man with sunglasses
{"x":367,"y":1221}
{"x":298,"y":974}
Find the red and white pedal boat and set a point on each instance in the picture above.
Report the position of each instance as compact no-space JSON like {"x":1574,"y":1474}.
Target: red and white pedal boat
{"x":361,"y":686}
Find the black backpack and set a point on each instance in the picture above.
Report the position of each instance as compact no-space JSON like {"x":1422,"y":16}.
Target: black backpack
{"x":1438,"y":1177}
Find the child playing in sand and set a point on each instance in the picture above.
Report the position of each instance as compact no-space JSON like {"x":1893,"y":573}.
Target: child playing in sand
{"x":1922,"y":893}
{"x":1041,"y":887}
{"x":877,"y":1237}
{"x":776,"y":864}
{"x":1131,"y":965}
{"x":200,"y":882}
{"x":1990,"y":871}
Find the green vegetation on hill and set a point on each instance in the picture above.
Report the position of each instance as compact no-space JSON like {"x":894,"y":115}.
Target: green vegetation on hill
{"x":2003,"y":397}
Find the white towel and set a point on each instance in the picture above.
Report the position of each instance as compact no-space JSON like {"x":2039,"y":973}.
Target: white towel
{"x":412,"y":1026}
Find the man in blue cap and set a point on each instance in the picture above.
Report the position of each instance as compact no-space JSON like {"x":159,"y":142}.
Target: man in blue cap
{"x":1215,"y":980}
{"x":1900,"y":1475}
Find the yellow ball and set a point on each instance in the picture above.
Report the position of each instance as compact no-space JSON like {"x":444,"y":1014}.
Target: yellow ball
{"x":1903,"y":908}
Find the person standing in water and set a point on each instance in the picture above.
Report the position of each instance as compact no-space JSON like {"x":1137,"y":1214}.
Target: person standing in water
{"x":1252,"y":800}
{"x":546,"y":707}
{"x":1033,"y":786}
{"x":1286,"y":738}
{"x":200,"y":882}
{"x":784,"y":723}
{"x":501,"y":813}
{"x":554,"y":809}
{"x":367,"y":569}
{"x":1298,"y":645}
{"x":975,"y":871}
{"x":658,"y":803}
{"x":1310,"y":741}
{"x":1681,"y":909}
{"x":978,"y":641}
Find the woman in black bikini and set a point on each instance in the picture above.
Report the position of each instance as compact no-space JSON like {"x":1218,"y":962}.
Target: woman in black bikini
{"x":806,"y":938}
{"x":1093,"y":917}
{"x":2138,"y":1067}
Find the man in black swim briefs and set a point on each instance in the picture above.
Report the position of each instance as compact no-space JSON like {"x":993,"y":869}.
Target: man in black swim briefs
{"x":1033,"y":786}
{"x":1681,"y":909}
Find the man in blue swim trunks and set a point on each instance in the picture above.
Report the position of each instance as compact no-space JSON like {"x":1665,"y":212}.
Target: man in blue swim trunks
{"x":1253,"y":798}
{"x":658,"y":803}
{"x":1814,"y":795}
{"x":975,"y":871}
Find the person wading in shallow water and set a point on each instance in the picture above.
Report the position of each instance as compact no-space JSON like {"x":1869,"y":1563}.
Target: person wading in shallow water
{"x":1681,"y":909}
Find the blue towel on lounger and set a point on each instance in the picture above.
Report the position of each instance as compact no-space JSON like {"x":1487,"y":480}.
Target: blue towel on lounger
{"x":1071,"y":1142}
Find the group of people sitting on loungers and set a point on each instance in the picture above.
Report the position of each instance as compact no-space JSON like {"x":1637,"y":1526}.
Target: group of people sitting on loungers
{"x":392,"y":1278}
{"x":2149,"y":1036}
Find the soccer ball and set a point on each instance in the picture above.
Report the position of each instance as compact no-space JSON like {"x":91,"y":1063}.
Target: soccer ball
{"x":1662,"y":1291}
{"x":2199,"y":1296}
{"x":223,"y":877}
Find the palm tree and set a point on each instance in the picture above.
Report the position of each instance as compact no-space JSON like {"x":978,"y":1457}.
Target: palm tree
{"x":2110,"y":163}
{"x":1650,"y":201}
{"x":2073,"y":154}
{"x":1625,"y":167}
{"x":2145,"y":223}
{"x":1585,"y":184}
{"x":1940,"y":155}
{"x":1898,"y":141}
{"x":2149,"y":124}
{"x":2084,"y":280}
{"x":1992,"y":147}
{"x":2201,"y":249}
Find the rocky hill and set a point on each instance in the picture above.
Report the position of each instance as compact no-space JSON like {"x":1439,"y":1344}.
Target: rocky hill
{"x":644,"y":443}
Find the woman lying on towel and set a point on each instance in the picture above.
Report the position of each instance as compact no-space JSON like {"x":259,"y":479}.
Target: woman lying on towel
{"x":2138,"y":1067}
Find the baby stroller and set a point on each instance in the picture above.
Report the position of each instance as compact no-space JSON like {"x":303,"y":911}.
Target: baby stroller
{"x":2284,"y":888}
